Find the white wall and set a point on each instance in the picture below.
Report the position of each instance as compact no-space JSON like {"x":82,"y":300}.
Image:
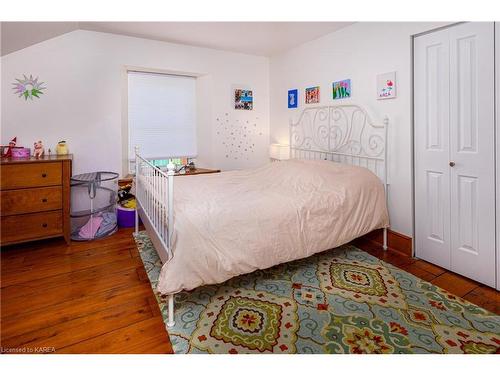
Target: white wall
{"x":359,"y":52}
{"x":85,"y":99}
{"x":497,"y":122}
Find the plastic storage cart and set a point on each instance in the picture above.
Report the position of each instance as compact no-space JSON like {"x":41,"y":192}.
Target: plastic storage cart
{"x":93,"y":205}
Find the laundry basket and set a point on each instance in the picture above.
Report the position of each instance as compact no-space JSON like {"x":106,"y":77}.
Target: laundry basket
{"x":93,"y":205}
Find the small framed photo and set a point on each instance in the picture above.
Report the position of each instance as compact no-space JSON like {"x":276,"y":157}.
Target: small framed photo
{"x":293,"y":98}
{"x":341,"y":89}
{"x":386,"y":86}
{"x":243,"y":99}
{"x":312,"y":95}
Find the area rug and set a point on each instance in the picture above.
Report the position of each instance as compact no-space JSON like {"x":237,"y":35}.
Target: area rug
{"x":340,"y":301}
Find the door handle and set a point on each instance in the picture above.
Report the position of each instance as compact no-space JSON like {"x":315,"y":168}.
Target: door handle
{"x":452,"y":163}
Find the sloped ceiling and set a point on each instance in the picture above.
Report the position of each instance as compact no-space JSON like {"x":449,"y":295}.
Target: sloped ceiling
{"x":256,"y":38}
{"x":19,"y":35}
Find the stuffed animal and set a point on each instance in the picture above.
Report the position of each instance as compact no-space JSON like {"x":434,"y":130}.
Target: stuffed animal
{"x":39,"y":150}
{"x":7,"y":151}
{"x":124,"y":193}
{"x":62,"y":148}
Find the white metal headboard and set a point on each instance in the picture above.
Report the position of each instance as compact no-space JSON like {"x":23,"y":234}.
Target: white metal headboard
{"x":342,"y":133}
{"x":345,"y":134}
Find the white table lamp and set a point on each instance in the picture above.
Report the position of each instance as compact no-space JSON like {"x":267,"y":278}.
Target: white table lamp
{"x":278,"y":151}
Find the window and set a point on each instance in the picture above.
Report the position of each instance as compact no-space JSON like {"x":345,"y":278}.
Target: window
{"x":161,"y":116}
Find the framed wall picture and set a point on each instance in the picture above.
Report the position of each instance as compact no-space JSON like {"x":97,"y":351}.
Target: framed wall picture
{"x":243,"y":99}
{"x":312,"y":95}
{"x":293,"y":98}
{"x":386,"y":85}
{"x":341,"y":89}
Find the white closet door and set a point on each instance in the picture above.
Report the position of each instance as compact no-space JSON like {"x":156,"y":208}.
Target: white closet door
{"x":432,"y":128}
{"x":455,"y":150}
{"x":472,"y":146}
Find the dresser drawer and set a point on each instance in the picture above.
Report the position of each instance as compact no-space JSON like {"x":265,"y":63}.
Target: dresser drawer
{"x":31,"y":200}
{"x":15,"y":176}
{"x":18,"y":228}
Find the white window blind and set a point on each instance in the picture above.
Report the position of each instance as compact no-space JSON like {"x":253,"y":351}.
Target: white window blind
{"x":161,"y":115}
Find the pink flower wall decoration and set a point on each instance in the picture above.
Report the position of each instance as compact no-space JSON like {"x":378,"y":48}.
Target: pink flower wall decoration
{"x":28,"y":88}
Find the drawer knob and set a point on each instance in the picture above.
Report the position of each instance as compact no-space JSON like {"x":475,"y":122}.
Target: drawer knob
{"x":44,"y":200}
{"x":44,"y":175}
{"x":44,"y":225}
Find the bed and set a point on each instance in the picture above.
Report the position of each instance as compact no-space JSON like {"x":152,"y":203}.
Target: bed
{"x":331,"y":191}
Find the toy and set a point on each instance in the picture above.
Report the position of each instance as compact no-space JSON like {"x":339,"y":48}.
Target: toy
{"x":39,"y":150}
{"x":62,"y":148}
{"x":21,"y":153}
{"x":124,"y":193}
{"x":7,"y":151}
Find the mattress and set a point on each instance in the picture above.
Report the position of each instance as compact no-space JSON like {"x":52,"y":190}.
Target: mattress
{"x":236,"y":222}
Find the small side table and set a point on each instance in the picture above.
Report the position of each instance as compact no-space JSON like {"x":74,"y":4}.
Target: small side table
{"x":192,"y":172}
{"x":128,"y":178}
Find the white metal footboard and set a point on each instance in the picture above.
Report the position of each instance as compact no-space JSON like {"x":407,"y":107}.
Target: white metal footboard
{"x":154,"y":192}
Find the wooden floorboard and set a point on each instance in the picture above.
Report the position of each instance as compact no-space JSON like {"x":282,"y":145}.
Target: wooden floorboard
{"x":139,"y":337}
{"x":55,"y":314}
{"x":88,"y":297}
{"x":83,"y":328}
{"x":78,"y":283}
{"x":486,"y":297}
{"x":95,"y":297}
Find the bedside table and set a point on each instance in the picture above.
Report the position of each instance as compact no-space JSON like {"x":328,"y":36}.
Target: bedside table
{"x":128,"y":178}
{"x":198,"y":171}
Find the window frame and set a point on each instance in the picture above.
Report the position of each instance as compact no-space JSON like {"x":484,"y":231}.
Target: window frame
{"x":128,"y":165}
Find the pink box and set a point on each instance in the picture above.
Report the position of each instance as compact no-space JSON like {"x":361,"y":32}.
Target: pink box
{"x":21,"y":152}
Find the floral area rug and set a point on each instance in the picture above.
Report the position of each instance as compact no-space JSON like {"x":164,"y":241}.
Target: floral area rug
{"x":340,"y":301}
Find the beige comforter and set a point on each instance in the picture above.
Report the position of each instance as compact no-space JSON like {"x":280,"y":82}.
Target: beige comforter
{"x":233,"y":223}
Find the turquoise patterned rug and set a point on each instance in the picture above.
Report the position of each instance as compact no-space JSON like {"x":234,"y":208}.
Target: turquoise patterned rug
{"x":340,"y":301}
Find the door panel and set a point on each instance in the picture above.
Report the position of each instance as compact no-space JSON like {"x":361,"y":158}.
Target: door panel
{"x":432,"y":206}
{"x":468,"y":221}
{"x":472,"y":148}
{"x":466,"y":93}
{"x":436,"y":195}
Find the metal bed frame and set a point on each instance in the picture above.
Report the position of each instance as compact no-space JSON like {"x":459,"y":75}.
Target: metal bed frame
{"x":344,"y":134}
{"x":341,"y":133}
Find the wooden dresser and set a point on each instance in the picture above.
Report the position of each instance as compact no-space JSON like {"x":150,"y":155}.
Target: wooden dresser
{"x":35,"y":199}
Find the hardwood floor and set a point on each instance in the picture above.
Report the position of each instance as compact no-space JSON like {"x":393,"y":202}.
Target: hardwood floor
{"x":88,"y":297}
{"x":95,"y":297}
